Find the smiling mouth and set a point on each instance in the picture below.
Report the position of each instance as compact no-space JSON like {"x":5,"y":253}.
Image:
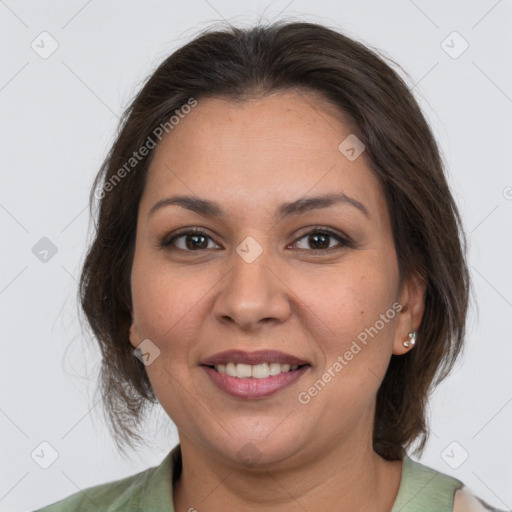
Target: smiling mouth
{"x":254,"y":375}
{"x":255,"y":371}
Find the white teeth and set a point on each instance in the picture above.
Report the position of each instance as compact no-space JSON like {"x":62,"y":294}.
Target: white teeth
{"x":257,"y":371}
{"x":231,"y":369}
{"x":260,"y":371}
{"x":243,"y":370}
{"x":275,"y":368}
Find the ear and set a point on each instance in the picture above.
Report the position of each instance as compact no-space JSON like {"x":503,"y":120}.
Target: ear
{"x":412,"y":301}
{"x":134,"y":333}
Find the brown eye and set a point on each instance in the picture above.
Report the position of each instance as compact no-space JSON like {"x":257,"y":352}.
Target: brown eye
{"x":316,"y":241}
{"x":193,"y":240}
{"x":319,"y":240}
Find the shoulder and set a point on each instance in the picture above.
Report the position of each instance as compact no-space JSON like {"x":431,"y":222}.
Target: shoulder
{"x":149,"y":490}
{"x":424,"y":488}
{"x":123,"y":494}
{"x":465,"y":501}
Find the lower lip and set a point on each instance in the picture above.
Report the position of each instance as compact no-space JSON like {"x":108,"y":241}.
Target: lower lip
{"x":253,"y":388}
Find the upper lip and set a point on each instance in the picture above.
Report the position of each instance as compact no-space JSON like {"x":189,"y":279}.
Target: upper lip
{"x":257,"y":357}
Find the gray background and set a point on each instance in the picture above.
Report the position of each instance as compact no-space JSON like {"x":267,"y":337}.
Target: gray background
{"x":59,"y":116}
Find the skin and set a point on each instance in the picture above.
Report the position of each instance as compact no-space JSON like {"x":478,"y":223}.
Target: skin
{"x":250,"y":157}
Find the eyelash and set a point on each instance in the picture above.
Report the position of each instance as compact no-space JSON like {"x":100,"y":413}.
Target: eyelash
{"x":344,"y":241}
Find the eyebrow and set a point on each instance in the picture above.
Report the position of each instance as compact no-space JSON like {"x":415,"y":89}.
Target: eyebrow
{"x":209,"y":208}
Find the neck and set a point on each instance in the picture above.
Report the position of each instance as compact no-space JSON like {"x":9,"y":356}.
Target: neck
{"x":344,"y":478}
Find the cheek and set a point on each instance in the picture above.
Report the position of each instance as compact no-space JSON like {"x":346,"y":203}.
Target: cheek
{"x":164,"y":300}
{"x":166,"y":306}
{"x":355,"y":318}
{"x":352,"y":300}
{"x":355,"y":322}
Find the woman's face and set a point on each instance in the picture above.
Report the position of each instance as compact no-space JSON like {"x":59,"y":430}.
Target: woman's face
{"x":264,"y":281}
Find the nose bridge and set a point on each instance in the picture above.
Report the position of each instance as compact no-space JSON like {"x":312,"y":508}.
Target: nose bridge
{"x":252,"y":291}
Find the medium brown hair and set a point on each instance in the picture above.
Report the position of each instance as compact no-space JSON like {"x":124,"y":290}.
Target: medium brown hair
{"x":240,"y":64}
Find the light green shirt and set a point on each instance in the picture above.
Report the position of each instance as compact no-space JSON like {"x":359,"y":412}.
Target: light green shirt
{"x":422,"y":489}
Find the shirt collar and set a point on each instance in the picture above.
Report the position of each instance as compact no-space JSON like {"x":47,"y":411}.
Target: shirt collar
{"x":158,"y":491}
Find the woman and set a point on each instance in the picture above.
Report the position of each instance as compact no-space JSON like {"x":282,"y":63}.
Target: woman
{"x":280,"y":264}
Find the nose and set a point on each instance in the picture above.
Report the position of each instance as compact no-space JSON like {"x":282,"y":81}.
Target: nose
{"x":253,"y":293}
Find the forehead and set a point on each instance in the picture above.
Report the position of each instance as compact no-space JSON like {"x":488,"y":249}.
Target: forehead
{"x":284,"y":145}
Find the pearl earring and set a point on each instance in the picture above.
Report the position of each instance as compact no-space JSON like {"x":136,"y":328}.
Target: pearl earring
{"x":411,"y":341}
